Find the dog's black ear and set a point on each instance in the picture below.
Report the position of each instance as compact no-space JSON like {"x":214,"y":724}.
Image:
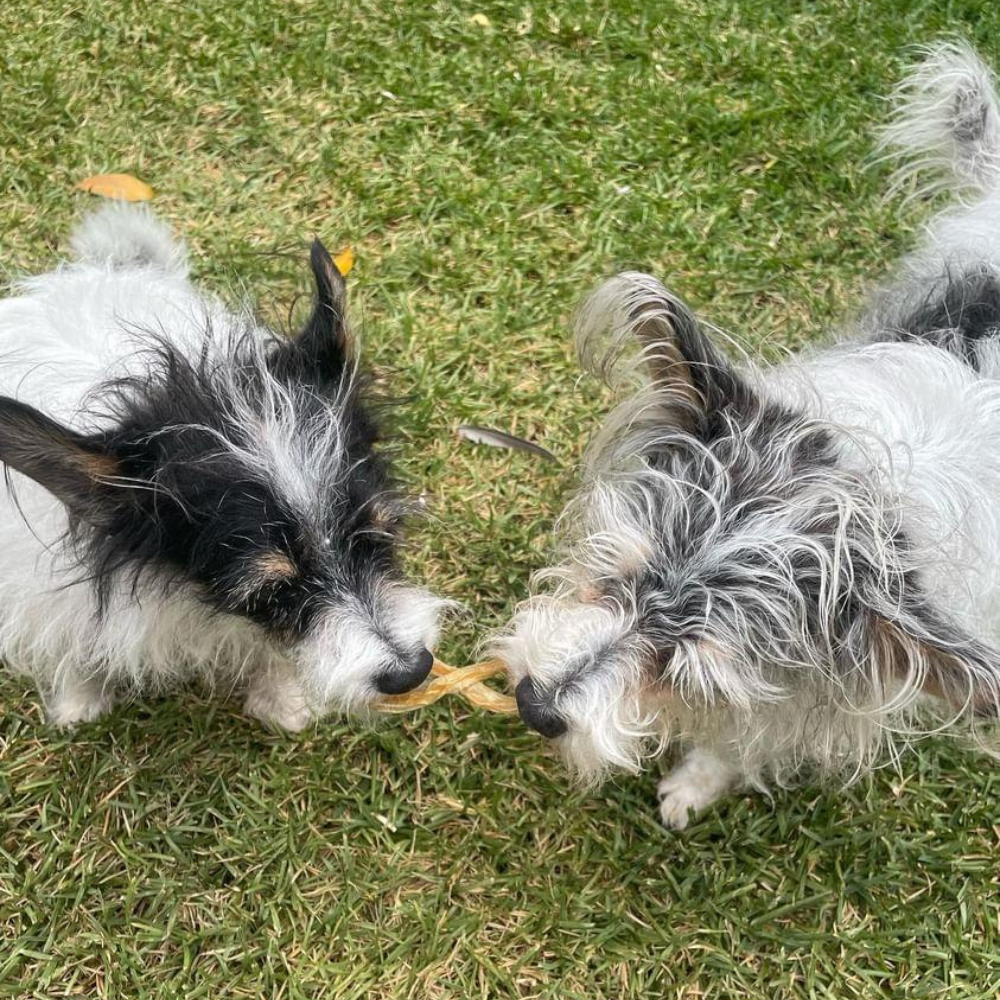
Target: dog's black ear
{"x":69,"y":465}
{"x":321,"y":350}
{"x":323,"y":342}
{"x":693,"y":378}
{"x":327,"y":323}
{"x":678,"y":352}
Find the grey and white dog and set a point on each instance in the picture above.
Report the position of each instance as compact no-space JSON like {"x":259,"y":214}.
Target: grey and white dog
{"x":792,"y":566}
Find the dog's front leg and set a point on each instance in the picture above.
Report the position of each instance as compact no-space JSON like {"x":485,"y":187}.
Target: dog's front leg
{"x":78,"y":698}
{"x":275,"y":696}
{"x":700,"y":779}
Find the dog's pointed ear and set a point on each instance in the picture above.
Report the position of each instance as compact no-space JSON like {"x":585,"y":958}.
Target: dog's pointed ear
{"x":331,"y":293}
{"x":322,"y":349}
{"x":324,"y":338}
{"x":692,"y":379}
{"x":69,"y":465}
{"x":680,"y":356}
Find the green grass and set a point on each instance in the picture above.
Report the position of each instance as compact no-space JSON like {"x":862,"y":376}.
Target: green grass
{"x":487,"y":176}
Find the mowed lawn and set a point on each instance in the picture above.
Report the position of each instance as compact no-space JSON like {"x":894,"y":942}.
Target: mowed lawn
{"x":489,"y":162}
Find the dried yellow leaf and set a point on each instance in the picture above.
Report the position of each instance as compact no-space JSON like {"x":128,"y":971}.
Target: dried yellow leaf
{"x":481,"y":20}
{"x":344,"y":260}
{"x":464,"y":681}
{"x":124,"y":187}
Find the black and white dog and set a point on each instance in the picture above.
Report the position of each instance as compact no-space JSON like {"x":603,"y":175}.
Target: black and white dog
{"x":795,"y":565}
{"x":190,"y":494}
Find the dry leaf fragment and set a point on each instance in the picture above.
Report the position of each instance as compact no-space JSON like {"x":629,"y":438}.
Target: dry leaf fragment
{"x":481,"y":20}
{"x":466,"y":681}
{"x":124,"y":187}
{"x":501,"y":439}
{"x":344,"y":261}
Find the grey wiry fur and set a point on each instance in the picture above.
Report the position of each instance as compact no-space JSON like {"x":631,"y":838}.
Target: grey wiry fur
{"x":790,"y":565}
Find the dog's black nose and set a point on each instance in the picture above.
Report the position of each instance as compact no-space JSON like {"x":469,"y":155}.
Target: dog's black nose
{"x":536,"y":712}
{"x":406,"y":677}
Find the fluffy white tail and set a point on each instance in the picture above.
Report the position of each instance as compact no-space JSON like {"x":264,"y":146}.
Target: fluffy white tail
{"x":124,"y":235}
{"x":945,"y":131}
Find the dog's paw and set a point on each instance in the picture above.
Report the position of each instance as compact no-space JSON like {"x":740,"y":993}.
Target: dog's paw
{"x":691,"y":787}
{"x":679,"y":799}
{"x":73,"y":705}
{"x":282,"y":715}
{"x":277,"y":699}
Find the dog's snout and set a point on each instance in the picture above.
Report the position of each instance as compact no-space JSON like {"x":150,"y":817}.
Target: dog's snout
{"x":406,"y":676}
{"x":537,"y":712}
{"x":425,"y":660}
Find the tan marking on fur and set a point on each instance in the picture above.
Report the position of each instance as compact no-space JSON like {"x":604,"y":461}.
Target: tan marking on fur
{"x":657,"y":694}
{"x":275,"y":566}
{"x":897,"y":654}
{"x":901,"y":653}
{"x":632,"y":559}
{"x":95,"y":466}
{"x":383,"y":516}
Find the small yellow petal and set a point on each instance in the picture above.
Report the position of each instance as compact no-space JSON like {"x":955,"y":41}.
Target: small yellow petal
{"x":344,"y":260}
{"x":121,"y":186}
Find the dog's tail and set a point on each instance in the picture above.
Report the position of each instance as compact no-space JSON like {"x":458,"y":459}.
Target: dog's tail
{"x":123,"y":235}
{"x":945,"y":131}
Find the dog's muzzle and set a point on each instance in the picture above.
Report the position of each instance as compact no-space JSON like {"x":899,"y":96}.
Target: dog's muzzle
{"x":407,"y":676}
{"x":536,"y":712}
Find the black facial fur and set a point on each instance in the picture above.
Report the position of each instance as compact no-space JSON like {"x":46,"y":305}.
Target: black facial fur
{"x":173,"y":483}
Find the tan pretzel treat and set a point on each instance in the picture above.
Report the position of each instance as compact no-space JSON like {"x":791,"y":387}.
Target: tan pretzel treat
{"x":465,"y":681}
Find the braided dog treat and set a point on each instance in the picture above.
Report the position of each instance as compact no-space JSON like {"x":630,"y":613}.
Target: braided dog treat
{"x":464,"y":681}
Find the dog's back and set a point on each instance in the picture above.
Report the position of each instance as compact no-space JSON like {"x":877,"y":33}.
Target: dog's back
{"x":65,"y":331}
{"x":914,"y":386}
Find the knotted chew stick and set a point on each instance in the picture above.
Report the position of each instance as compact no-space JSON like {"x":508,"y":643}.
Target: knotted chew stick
{"x":466,"y":681}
